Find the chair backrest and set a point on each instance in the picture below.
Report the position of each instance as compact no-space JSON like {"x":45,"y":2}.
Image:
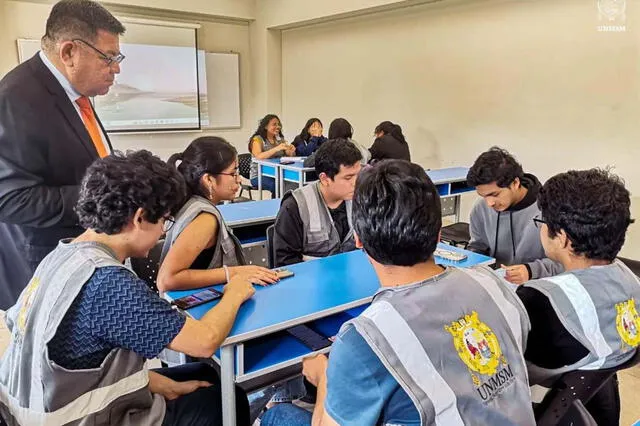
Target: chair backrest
{"x":634,"y":265}
{"x":271,"y":251}
{"x":578,"y":415}
{"x":573,"y":386}
{"x":244,"y":165}
{"x":147,"y":268}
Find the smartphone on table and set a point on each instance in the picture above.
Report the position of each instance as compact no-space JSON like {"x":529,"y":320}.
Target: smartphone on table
{"x":197,"y":299}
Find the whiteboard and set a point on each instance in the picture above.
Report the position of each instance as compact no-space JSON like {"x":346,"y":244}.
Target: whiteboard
{"x":222,"y":85}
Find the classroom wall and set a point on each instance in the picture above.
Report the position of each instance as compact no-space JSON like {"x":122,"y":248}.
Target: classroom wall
{"x":27,"y":20}
{"x":535,"y":77}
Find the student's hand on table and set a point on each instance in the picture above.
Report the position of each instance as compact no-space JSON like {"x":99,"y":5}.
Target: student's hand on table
{"x":516,"y":274}
{"x":171,"y":389}
{"x":240,"y":288}
{"x":290,"y":150}
{"x":255,"y":274}
{"x":314,"y":368}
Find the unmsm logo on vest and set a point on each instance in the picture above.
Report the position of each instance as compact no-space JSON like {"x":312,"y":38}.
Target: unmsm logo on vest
{"x":478,"y":347}
{"x":628,"y":323}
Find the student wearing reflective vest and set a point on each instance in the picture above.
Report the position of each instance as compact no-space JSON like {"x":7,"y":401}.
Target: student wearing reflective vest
{"x":315,"y":220}
{"x":85,"y":325}
{"x":437,"y":346}
{"x":587,"y":317}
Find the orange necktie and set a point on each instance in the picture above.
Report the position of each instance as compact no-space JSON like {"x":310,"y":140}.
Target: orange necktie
{"x":91,"y":124}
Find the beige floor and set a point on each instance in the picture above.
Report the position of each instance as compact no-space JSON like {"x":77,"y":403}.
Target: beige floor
{"x":630,"y":396}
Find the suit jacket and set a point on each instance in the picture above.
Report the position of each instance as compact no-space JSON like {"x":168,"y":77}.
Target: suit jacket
{"x":45,"y":150}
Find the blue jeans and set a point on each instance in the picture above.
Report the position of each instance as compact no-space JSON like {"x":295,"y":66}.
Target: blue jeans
{"x":268,"y":184}
{"x":286,"y":415}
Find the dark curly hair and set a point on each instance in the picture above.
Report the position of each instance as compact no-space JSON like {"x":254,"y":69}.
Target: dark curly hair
{"x":207,"y":154}
{"x":495,"y":165}
{"x":396,"y":213}
{"x":593,"y":208}
{"x":262,"y":128}
{"x":335,"y":153}
{"x":114,"y":187}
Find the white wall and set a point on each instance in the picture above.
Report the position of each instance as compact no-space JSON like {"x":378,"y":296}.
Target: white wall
{"x":27,"y":20}
{"x":535,"y":77}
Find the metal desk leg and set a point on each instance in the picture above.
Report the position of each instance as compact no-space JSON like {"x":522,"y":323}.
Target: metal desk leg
{"x":227,"y":377}
{"x":457,"y":207}
{"x":259,"y":181}
{"x":279,"y":182}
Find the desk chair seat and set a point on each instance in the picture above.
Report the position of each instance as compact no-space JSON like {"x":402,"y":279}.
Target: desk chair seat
{"x":147,"y":268}
{"x":557,"y":408}
{"x":456,"y":234}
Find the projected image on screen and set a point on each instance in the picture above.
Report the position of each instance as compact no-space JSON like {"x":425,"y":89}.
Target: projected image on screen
{"x":157,"y":89}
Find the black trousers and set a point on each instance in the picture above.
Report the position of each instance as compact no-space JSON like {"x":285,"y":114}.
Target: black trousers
{"x":204,"y":406}
{"x":604,"y":407}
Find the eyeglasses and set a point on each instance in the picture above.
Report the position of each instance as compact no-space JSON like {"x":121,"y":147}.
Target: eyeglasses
{"x":236,"y":173}
{"x":168,"y":223}
{"x":108,"y":59}
{"x":538,"y":221}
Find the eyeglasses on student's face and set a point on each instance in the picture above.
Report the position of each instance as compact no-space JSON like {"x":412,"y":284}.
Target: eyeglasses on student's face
{"x":538,"y":221}
{"x":168,"y":223}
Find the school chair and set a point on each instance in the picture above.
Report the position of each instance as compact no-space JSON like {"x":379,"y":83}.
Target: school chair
{"x":456,"y":234}
{"x":557,"y":407}
{"x":271,"y":251}
{"x":634,"y":265}
{"x":244,"y":167}
{"x":147,"y":268}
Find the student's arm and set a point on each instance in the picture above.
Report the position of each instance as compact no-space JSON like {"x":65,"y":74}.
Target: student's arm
{"x":202,"y":233}
{"x":201,"y":338}
{"x":353,"y":386}
{"x":479,"y":242}
{"x":288,"y":237}
{"x":256,"y":149}
{"x":543,"y":268}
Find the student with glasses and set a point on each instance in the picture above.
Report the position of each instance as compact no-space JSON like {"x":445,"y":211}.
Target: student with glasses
{"x":50,"y":134}
{"x":200,"y":249}
{"x":587,"y":317}
{"x":85,"y":324}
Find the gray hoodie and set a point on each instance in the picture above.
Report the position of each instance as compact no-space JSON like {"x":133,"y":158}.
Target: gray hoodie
{"x":511,"y":236}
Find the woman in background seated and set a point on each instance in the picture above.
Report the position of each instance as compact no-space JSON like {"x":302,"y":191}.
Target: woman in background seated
{"x":86,"y":324}
{"x":200,"y":250}
{"x":310,"y":138}
{"x":389,"y":143}
{"x":268,"y":142}
{"x":340,"y":128}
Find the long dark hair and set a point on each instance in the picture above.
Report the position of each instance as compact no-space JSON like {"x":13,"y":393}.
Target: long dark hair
{"x":304,"y":133}
{"x":262,"y":128}
{"x":340,"y":128}
{"x":207,"y":154}
{"x":389,"y":128}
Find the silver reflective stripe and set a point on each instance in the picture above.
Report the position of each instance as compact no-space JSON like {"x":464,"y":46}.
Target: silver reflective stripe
{"x":414,"y":359}
{"x":312,"y":207}
{"x":508,"y":310}
{"x":587,"y":315}
{"x":87,"y":404}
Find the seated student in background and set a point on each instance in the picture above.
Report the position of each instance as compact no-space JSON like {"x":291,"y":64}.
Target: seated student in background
{"x":390,"y":143}
{"x":315,"y":220}
{"x":501,"y":224}
{"x":341,"y":129}
{"x":268,"y":142}
{"x":200,"y":250}
{"x":460,"y":364}
{"x":310,"y":138}
{"x":86,"y":324}
{"x":587,"y":317}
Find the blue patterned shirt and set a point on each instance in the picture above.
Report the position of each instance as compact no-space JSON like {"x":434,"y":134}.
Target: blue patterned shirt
{"x":114,"y":309}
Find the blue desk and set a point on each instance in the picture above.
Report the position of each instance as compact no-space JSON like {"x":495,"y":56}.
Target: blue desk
{"x":450,"y":182}
{"x":323,"y":293}
{"x":295,"y":172}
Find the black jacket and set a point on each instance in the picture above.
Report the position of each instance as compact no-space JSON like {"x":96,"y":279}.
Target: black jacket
{"x":387,"y":147}
{"x":45,"y":150}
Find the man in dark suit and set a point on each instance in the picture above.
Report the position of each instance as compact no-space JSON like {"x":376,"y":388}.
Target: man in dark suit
{"x":49,"y":135}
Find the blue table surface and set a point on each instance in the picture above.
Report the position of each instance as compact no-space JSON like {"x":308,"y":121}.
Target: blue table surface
{"x":250,"y":211}
{"x":319,"y":287}
{"x":449,"y":174}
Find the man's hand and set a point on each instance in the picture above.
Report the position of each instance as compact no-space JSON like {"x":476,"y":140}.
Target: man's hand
{"x":171,"y":389}
{"x":240,"y":288}
{"x":315,"y":368}
{"x":516,"y":274}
